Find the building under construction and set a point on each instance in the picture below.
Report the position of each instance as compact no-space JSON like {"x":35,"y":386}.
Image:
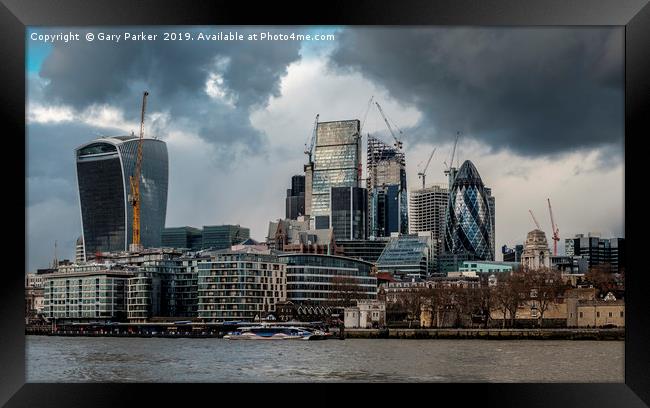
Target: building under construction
{"x":387,"y":194}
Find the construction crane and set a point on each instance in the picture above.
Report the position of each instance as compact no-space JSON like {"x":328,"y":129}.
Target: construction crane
{"x":534,"y":219}
{"x":310,"y":149}
{"x":453,"y":152}
{"x":366,"y":114}
{"x":422,"y":174}
{"x":398,"y":143}
{"x":555,"y":229}
{"x":134,"y":180}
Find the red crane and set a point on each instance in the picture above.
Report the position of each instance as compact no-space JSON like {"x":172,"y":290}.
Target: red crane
{"x":554,"y":228}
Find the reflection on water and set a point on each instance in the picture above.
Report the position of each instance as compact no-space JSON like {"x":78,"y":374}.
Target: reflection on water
{"x":80,"y":359}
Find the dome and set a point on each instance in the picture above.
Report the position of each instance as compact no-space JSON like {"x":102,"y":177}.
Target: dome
{"x":467,"y":174}
{"x":536,"y":238}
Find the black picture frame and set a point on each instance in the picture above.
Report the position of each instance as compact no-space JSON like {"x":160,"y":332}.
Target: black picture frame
{"x":15,"y":15}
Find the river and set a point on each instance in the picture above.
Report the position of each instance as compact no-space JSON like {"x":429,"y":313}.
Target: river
{"x":108,"y":359}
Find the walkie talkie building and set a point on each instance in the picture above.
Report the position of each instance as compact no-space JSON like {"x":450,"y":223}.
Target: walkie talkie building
{"x":469,"y":227}
{"x":103,"y":168}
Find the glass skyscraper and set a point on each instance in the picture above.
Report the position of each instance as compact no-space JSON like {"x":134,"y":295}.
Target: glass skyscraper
{"x":349,"y":212}
{"x":103,"y":169}
{"x":469,"y":228}
{"x":337,"y":163}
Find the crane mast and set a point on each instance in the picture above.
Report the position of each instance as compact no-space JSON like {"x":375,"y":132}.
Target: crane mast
{"x":423,"y":173}
{"x":135,"y":182}
{"x":398,"y":143}
{"x":556,"y":230}
{"x":534,"y":219}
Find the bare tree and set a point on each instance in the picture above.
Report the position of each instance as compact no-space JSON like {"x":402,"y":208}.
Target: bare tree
{"x":544,"y":287}
{"x":509,"y":295}
{"x":344,"y":291}
{"x":602,"y":278}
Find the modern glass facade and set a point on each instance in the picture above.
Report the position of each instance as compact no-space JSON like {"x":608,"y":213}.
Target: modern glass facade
{"x":409,"y":255}
{"x":324,"y":279}
{"x":469,"y":219}
{"x":349,"y":212}
{"x":337,"y":163}
{"x":385,"y":213}
{"x":223,"y":236}
{"x":295,"y":200}
{"x":103,"y":170}
{"x":182,"y":237}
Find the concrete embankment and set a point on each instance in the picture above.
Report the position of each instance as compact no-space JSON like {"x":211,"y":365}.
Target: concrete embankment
{"x":488,"y":334}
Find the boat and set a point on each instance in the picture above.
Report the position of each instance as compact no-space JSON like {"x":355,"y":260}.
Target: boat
{"x":276,"y":332}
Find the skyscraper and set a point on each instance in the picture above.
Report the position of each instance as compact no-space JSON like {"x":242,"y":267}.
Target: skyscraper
{"x":468,"y":227}
{"x":103,"y":169}
{"x":387,"y":192}
{"x":295,"y":200}
{"x":349,"y":212}
{"x":427,"y":212}
{"x":337,"y":163}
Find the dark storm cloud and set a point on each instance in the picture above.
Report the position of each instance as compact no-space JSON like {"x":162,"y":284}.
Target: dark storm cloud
{"x":534,"y":91}
{"x":175,"y":72}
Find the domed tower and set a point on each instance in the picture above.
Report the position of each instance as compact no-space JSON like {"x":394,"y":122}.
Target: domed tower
{"x":469,"y":218}
{"x":536,"y":252}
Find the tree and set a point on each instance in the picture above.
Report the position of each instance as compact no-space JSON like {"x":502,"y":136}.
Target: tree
{"x":544,"y":286}
{"x":602,"y":278}
{"x":509,"y":295}
{"x":344,"y":290}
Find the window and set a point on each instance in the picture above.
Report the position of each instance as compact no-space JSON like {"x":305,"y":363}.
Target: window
{"x":610,"y":314}
{"x":580,"y":314}
{"x":621,"y":314}
{"x":597,"y":314}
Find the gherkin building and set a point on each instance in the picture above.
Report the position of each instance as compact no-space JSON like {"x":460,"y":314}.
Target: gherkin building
{"x":469,"y":219}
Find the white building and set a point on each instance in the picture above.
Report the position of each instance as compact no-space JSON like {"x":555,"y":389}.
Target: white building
{"x":427,"y":212}
{"x":367,"y":314}
{"x":536,"y":252}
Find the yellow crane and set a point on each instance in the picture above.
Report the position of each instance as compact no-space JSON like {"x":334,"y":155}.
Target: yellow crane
{"x":134,"y":180}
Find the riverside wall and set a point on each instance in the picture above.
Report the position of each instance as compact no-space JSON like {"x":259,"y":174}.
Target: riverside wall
{"x":488,"y":334}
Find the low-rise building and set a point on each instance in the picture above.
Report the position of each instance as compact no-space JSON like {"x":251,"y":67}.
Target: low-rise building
{"x":366,"y":314}
{"x":593,"y":312}
{"x":89,"y":292}
{"x":318,"y":279}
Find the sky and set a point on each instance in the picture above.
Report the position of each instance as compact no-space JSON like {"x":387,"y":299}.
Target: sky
{"x":540,"y":111}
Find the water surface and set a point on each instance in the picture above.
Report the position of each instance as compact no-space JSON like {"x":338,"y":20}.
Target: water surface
{"x":108,"y":359}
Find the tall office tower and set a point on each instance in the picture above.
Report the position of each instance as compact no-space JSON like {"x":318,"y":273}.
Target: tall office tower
{"x":348,"y":212}
{"x":427,"y":212}
{"x":104,"y":166}
{"x":295,"y":201}
{"x":387,"y":191}
{"x":337,"y":163}
{"x":223,"y":236}
{"x":468,"y":228}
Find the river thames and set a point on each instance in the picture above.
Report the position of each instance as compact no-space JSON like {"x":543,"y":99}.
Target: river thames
{"x":109,"y":359}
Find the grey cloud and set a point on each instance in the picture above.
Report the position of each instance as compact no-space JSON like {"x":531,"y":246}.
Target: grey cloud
{"x":533,"y":91}
{"x":175,"y":73}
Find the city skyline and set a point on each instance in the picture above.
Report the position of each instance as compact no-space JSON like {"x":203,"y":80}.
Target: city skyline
{"x":249,"y":142}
